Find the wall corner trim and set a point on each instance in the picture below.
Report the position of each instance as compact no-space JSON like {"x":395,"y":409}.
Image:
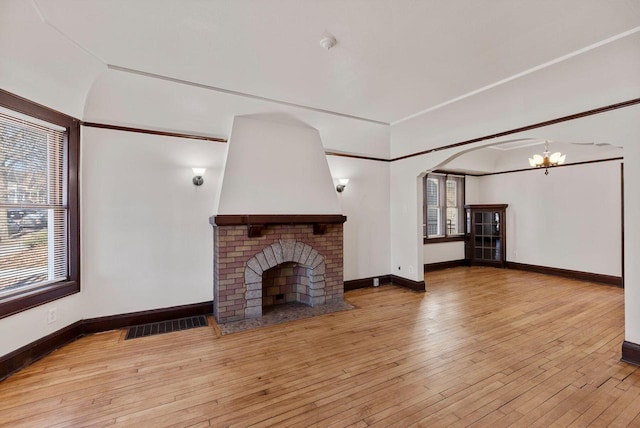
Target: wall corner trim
{"x":355,"y":284}
{"x":431,"y":267}
{"x":630,"y":353}
{"x":32,"y":352}
{"x":418,"y":286}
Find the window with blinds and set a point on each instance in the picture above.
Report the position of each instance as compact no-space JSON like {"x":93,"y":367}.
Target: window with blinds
{"x":443,"y":214}
{"x":33,"y":203}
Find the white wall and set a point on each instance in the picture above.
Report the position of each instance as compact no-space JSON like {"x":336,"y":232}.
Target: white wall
{"x":365,"y":202}
{"x":146,"y":238}
{"x":26,"y":327}
{"x":631,"y":241}
{"x":406,"y":242}
{"x":407,"y":248}
{"x":569,"y":219}
{"x":443,"y":252}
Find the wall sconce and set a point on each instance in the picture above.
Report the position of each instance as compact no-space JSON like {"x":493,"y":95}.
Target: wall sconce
{"x":197,"y":176}
{"x":343,"y":183}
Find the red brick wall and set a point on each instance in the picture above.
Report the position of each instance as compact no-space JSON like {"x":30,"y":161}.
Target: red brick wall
{"x":233,"y":248}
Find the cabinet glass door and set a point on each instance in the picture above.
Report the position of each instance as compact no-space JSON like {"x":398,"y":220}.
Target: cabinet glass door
{"x":486,"y":235}
{"x":487,"y":243}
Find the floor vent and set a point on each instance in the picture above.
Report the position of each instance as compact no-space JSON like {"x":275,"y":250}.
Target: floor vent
{"x":152,"y":329}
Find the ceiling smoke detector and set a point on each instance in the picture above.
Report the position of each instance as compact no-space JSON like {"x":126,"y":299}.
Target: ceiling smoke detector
{"x":328,"y":41}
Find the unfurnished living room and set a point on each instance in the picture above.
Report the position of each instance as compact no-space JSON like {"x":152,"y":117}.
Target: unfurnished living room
{"x":319,"y":213}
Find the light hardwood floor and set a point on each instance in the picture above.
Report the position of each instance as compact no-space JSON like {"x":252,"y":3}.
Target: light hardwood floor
{"x":483,"y":347}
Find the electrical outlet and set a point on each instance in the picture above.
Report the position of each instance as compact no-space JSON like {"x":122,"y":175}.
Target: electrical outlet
{"x":376,"y":282}
{"x":52,"y":316}
{"x":410,"y":269}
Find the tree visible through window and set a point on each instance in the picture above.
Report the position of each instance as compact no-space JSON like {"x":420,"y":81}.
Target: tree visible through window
{"x":33,"y":209}
{"x":39,"y":228}
{"x":443,"y":214}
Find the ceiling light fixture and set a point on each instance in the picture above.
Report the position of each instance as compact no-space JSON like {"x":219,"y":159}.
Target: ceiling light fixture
{"x":547,"y":160}
{"x":328,"y":41}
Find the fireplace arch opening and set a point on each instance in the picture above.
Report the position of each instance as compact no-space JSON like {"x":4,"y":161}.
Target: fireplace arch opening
{"x":286,"y":283}
{"x":289,"y":268}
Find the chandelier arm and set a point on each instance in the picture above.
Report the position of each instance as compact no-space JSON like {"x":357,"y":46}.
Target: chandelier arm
{"x":547,"y":160}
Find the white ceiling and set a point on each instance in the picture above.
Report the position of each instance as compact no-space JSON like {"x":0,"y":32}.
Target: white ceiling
{"x":457,"y":69}
{"x":394,"y":58}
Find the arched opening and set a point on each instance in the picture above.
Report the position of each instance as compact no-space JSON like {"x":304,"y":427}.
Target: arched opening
{"x":568,"y":220}
{"x":295,"y":272}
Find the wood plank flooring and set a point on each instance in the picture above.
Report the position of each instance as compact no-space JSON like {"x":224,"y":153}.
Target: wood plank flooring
{"x":483,"y":347}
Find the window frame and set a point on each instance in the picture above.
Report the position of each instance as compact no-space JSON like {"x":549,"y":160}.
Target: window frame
{"x":22,"y":301}
{"x":442,"y":184}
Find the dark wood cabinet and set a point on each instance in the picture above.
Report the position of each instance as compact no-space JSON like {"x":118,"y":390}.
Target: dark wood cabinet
{"x":486,"y":234}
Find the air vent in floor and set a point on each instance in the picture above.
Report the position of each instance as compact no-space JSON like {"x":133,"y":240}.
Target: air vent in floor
{"x":151,"y":329}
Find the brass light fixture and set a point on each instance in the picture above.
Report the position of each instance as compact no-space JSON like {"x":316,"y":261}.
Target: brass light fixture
{"x":547,"y":160}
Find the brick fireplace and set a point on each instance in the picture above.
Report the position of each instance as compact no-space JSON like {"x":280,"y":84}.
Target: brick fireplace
{"x":273,"y":259}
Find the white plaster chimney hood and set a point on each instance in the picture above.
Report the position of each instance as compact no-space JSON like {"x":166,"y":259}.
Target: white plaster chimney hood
{"x":275,"y":168}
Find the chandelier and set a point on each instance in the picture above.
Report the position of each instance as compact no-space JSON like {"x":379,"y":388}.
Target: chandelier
{"x":547,"y":160}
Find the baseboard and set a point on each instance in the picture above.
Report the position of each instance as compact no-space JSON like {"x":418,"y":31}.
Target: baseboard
{"x":22,"y":357}
{"x":430,"y":267}
{"x":630,"y":353}
{"x":355,"y":284}
{"x":113,"y":322}
{"x":566,"y":273}
{"x":407,"y":283}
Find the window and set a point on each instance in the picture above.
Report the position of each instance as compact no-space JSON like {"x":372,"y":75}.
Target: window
{"x":443,"y":213}
{"x":39,"y":228}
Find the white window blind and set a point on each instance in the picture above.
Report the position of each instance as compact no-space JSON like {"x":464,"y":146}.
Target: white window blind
{"x":455,"y":202}
{"x":33,"y":203}
{"x":434,"y":204}
{"x":443,"y":214}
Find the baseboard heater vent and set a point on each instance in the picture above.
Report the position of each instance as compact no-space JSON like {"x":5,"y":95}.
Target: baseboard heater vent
{"x":152,"y":329}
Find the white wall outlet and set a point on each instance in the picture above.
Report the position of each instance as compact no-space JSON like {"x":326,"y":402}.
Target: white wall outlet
{"x":376,"y":282}
{"x":52,"y":316}
{"x":410,"y":269}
